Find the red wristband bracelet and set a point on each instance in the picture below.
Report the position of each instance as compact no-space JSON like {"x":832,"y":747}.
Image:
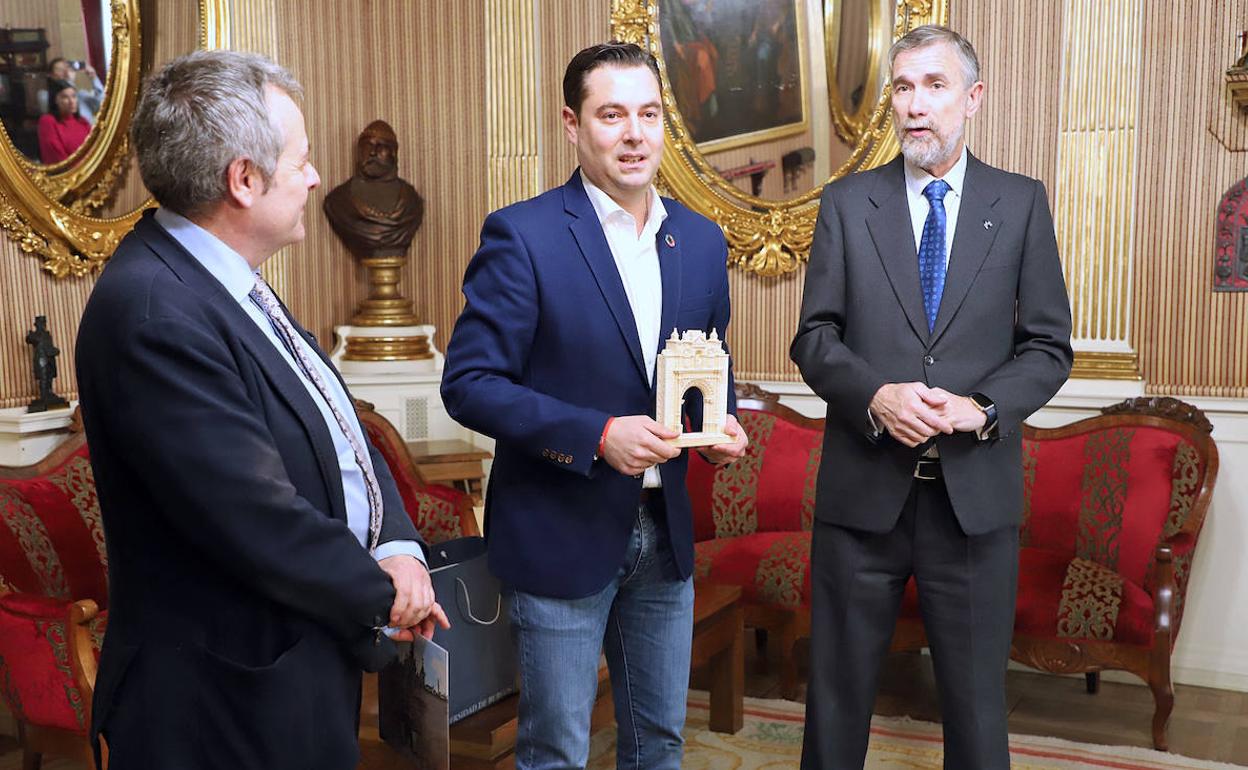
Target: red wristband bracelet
{"x":602,"y":440}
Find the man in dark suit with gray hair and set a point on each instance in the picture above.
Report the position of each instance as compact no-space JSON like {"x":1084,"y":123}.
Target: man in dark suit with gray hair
{"x":259,"y":554}
{"x":930,"y":344}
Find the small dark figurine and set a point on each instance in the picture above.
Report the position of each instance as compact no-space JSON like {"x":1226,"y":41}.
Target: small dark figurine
{"x":43,"y":364}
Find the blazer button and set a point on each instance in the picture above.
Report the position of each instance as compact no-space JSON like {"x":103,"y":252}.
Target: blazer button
{"x":928,"y":360}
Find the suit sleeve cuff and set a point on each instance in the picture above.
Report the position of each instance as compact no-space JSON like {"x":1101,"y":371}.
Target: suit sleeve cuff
{"x":400,"y":548}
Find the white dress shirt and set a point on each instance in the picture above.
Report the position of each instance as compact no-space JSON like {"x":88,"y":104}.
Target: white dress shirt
{"x":238,"y":278}
{"x":637,"y":259}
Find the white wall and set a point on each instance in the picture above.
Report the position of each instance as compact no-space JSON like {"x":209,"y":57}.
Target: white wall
{"x":1212,"y":648}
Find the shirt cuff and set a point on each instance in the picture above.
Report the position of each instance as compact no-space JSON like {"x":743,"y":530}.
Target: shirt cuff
{"x":400,"y":547}
{"x":875,"y":428}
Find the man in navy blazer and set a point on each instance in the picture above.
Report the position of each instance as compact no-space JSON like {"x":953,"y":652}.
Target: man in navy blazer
{"x":259,"y":553}
{"x":587,"y":516}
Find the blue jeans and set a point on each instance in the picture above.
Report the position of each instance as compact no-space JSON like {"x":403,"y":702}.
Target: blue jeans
{"x":643,"y":621}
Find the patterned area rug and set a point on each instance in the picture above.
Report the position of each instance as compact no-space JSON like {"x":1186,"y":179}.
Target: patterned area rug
{"x":772,"y":740}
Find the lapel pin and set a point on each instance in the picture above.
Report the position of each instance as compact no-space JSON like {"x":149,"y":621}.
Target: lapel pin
{"x":987,"y":224}
{"x":671,"y":242}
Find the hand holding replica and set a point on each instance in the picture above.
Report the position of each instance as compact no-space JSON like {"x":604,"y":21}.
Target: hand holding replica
{"x":414,"y":608}
{"x":636,"y":442}
{"x":722,"y":454}
{"x":911,"y":412}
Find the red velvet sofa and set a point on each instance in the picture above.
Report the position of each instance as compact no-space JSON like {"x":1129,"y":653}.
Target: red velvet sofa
{"x":1113,"y":508}
{"x":54,"y":581}
{"x":752,"y":520}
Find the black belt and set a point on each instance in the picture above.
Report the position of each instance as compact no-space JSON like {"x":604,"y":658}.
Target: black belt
{"x":649,"y":496}
{"x":928,"y":469}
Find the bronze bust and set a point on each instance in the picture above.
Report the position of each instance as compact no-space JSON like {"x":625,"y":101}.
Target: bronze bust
{"x":375,"y":212}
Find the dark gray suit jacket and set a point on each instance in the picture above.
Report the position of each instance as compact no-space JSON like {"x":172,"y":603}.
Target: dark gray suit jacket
{"x":1003,"y":330}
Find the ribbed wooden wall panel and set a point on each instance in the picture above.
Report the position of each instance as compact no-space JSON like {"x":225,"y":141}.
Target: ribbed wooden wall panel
{"x":513,"y":102}
{"x":566,"y":27}
{"x":1094,"y":212}
{"x":420,"y":67}
{"x":1019,"y":47}
{"x":1191,"y":341}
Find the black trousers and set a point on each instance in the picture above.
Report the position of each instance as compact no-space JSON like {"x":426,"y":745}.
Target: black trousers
{"x":966,"y":589}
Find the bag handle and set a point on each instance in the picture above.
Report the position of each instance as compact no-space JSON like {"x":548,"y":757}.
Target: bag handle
{"x":498,"y":609}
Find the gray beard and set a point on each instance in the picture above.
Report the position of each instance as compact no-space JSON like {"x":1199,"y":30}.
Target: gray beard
{"x":927,"y":154}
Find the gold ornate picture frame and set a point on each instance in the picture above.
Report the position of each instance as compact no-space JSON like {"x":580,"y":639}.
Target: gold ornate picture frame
{"x":765,"y":237}
{"x":739,"y":124}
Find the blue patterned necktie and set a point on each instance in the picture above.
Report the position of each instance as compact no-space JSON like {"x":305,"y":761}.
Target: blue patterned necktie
{"x":932,"y":250}
{"x":264,"y":299}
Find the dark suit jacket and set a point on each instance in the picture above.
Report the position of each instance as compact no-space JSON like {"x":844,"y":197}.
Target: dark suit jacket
{"x":1003,"y":330}
{"x":241,"y":606}
{"x":545,"y":350}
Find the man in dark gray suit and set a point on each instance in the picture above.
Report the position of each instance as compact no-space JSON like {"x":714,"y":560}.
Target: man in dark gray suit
{"x":930,"y":343}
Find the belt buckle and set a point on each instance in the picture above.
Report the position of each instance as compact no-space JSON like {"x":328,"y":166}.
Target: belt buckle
{"x":921,"y":465}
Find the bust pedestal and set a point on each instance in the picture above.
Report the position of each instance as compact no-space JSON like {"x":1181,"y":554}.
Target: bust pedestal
{"x":404,"y":391}
{"x":27,"y":438}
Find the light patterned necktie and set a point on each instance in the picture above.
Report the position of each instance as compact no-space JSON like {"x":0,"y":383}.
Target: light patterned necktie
{"x":932,"y":250}
{"x":264,"y":298}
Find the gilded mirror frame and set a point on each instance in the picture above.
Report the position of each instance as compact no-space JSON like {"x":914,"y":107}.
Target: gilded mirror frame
{"x":44,"y":209}
{"x":849,"y":126}
{"x":765,"y":237}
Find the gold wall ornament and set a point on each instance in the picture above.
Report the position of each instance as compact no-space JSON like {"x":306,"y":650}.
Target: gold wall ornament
{"x":765,"y":237}
{"x":46,"y":209}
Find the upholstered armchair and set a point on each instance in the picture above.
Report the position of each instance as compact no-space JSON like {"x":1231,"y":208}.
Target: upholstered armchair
{"x":53,"y":599}
{"x":1113,"y":509}
{"x":439,"y":512}
{"x":752,"y":520}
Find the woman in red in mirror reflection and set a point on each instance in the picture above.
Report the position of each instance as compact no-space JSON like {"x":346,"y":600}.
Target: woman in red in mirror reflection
{"x":61,"y":129}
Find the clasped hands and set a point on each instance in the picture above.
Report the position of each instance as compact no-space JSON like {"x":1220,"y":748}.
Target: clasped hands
{"x":912,"y":412}
{"x":637,"y":442}
{"x":414,"y":610}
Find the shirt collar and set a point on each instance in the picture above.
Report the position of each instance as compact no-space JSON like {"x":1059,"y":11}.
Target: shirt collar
{"x":606,"y":207}
{"x":225,"y":264}
{"x":917,"y":178}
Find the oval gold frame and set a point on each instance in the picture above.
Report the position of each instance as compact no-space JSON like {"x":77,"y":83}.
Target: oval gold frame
{"x":767,"y":238}
{"x":850,"y":125}
{"x":43,"y":208}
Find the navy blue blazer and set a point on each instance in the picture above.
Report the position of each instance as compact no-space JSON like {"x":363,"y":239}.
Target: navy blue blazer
{"x":241,"y":606}
{"x":544,"y":352}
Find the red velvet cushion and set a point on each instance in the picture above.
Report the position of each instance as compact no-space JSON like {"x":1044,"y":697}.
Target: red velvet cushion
{"x":1064,"y":598}
{"x":771,"y":489}
{"x":51,"y":536}
{"x":36,"y":680}
{"x":433,"y":508}
{"x":772,"y":568}
{"x":1103,"y":496}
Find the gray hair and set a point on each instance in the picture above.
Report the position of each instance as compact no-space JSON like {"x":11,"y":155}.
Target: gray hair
{"x":199,"y":113}
{"x":931,"y":34}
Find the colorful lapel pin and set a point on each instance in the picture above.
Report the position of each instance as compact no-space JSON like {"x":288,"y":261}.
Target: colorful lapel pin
{"x":671,"y":242}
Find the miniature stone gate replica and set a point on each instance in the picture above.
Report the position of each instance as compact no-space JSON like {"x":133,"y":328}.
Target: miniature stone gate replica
{"x":693,"y":360}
